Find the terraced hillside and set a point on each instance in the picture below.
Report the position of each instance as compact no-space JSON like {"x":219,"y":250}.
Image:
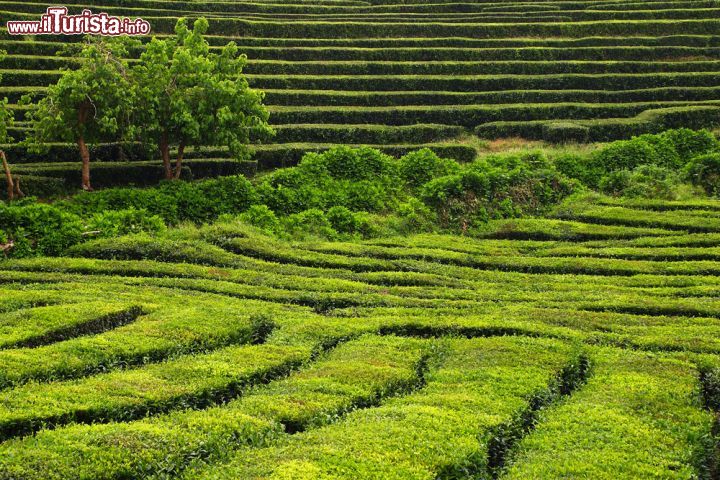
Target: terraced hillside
{"x":403,"y":74}
{"x":584,"y":345}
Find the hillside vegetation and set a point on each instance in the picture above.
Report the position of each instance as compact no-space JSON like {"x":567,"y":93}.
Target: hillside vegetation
{"x":299,"y":326}
{"x":584,"y":345}
{"x":409,"y":74}
{"x":484,"y":244}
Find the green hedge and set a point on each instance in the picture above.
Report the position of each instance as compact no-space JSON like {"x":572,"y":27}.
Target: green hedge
{"x":425,"y":53}
{"x":353,"y":375}
{"x":381,"y":99}
{"x":485,"y":82}
{"x":399,"y":66}
{"x":472,"y":115}
{"x":112,"y":174}
{"x":49,"y":44}
{"x":66,"y":152}
{"x":477,"y":402}
{"x":190,"y":326}
{"x":279,"y":156}
{"x":48,"y":324}
{"x":37,"y":62}
{"x":670,"y":436}
{"x":350,"y":29}
{"x":29,"y":78}
{"x":196,"y":380}
{"x":239,"y":27}
{"x":365,"y":134}
{"x":603,"y":130}
{"x":508,"y":67}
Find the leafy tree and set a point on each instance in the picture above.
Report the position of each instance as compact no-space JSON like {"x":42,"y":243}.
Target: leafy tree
{"x":191,"y":97}
{"x":6,"y":121}
{"x":89,"y":104}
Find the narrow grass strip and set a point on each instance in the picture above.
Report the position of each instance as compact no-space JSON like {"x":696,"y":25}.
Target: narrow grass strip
{"x":43,"y":325}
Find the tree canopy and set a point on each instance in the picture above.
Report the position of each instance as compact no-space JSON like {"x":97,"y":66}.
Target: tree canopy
{"x":88,"y":104}
{"x":188,"y":96}
{"x":177,"y":95}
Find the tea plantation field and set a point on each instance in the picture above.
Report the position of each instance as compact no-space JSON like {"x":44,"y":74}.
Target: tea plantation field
{"x":400,"y":75}
{"x":580,"y":340}
{"x":582,"y":345}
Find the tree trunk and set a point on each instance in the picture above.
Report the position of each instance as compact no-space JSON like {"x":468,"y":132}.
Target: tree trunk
{"x":178,"y":161}
{"x":165,"y":155}
{"x":18,"y":193}
{"x":83,"y":113}
{"x":8,"y":177}
{"x":85,"y":156}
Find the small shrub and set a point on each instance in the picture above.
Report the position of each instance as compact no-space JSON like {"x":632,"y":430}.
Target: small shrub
{"x":665,"y":153}
{"x":342,"y":220}
{"x":691,"y":143}
{"x":154,"y":200}
{"x":310,"y":223}
{"x":419,"y":167}
{"x":625,"y":154}
{"x":262,"y":217}
{"x":646,"y":181}
{"x":496,"y":187}
{"x":705,"y":172}
{"x":414,"y":216}
{"x":669,"y":149}
{"x":39,"y":229}
{"x":369,"y":225}
{"x":361,"y":179}
{"x":362,"y":163}
{"x":173,"y":201}
{"x":565,"y":132}
{"x":579,"y":167}
{"x":233,"y":194}
{"x":113,"y":223}
{"x":292,"y":190}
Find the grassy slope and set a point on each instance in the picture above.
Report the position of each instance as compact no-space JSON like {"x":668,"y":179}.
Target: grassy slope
{"x":645,"y":327}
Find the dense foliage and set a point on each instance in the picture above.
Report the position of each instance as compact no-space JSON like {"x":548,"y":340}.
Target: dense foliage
{"x":188,"y":96}
{"x":481,"y":291}
{"x":88,"y":104}
{"x":613,"y":167}
{"x":341,"y":193}
{"x":216,"y":351}
{"x":178,"y":94}
{"x":362,"y":193}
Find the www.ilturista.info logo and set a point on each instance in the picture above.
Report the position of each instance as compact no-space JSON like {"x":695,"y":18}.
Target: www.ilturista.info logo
{"x":57,"y":22}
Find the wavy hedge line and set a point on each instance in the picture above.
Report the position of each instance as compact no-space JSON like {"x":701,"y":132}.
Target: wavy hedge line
{"x":479,"y":392}
{"x":47,"y":324}
{"x":190,"y":381}
{"x":155,"y":336}
{"x":355,"y":375}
